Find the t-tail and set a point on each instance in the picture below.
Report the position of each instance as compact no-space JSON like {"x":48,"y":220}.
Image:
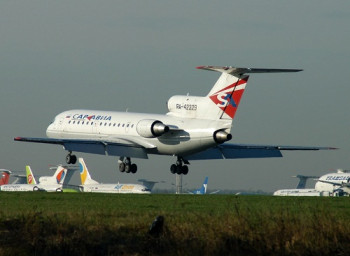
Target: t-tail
{"x":223,"y":100}
{"x":30,"y":175}
{"x":84,"y":174}
{"x":5,"y":177}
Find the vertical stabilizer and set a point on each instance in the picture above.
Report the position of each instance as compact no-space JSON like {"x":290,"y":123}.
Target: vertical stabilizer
{"x":60,"y":174}
{"x":5,"y":177}
{"x":203,"y":189}
{"x":84,"y":174}
{"x":30,"y":176}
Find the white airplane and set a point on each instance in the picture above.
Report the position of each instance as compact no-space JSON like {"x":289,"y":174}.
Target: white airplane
{"x":90,"y":185}
{"x":195,"y":128}
{"x":331,"y":184}
{"x":336,"y":183}
{"x":46,"y":183}
{"x":203,"y":189}
{"x":300,"y":190}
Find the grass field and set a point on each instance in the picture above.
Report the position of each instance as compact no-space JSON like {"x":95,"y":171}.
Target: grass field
{"x":112,"y":224}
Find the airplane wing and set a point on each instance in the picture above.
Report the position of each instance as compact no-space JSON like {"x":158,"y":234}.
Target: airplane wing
{"x":232,"y":151}
{"x":114,"y":146}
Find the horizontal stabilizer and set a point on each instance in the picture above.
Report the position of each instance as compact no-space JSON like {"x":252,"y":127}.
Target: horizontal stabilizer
{"x":240,"y":71}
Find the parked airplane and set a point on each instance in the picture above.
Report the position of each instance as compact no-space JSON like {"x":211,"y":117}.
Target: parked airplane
{"x":195,"y":128}
{"x":46,"y":183}
{"x":5,"y":176}
{"x":331,"y":184}
{"x":338,"y":183}
{"x":90,"y":185}
{"x":300,"y":190}
{"x":203,"y":189}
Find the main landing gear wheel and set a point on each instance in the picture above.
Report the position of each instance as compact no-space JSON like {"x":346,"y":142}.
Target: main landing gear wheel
{"x":71,"y":159}
{"x":179,"y":168}
{"x":125,"y":165}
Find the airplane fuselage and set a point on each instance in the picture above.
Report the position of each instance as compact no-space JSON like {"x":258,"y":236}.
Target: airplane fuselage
{"x":116,"y":188}
{"x":186,"y":135}
{"x":333,"y":181}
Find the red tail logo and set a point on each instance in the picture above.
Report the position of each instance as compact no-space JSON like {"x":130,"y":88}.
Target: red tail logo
{"x":228,"y":99}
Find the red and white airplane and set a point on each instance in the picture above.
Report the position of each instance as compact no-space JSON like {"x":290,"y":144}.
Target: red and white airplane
{"x":194,"y":128}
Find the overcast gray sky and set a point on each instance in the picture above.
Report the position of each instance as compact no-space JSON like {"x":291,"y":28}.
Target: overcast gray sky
{"x":118,"y":55}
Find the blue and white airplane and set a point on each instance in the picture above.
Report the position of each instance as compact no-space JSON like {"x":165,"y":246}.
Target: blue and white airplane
{"x":203,"y":189}
{"x":195,"y":128}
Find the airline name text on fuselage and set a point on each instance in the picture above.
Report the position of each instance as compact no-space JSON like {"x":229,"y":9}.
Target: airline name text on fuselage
{"x":338,"y":178}
{"x":91,"y":117}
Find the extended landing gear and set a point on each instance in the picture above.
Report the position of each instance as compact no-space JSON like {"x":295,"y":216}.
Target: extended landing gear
{"x":71,"y":159}
{"x":125,"y":165}
{"x":179,"y":167}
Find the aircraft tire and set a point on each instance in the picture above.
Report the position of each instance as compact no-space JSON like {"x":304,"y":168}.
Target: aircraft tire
{"x":59,"y":190}
{"x":127,"y":168}
{"x":173,"y":168}
{"x":71,"y":159}
{"x":122,"y":167}
{"x":35,"y":188}
{"x":184,"y":169}
{"x":133,"y":168}
{"x":179,"y":169}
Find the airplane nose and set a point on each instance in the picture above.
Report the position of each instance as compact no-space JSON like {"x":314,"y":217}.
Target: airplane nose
{"x":49,"y":129}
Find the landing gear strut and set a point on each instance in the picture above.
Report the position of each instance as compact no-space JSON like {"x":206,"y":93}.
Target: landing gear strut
{"x":179,"y":167}
{"x":125,"y":165}
{"x":71,"y":159}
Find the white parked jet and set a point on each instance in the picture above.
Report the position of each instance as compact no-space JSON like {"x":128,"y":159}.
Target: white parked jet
{"x":330,"y":184}
{"x":195,"y":128}
{"x":90,"y":185}
{"x":336,"y":183}
{"x":46,"y":183}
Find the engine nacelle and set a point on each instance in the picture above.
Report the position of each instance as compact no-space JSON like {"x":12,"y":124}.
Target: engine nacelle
{"x":221,"y":137}
{"x":150,"y":128}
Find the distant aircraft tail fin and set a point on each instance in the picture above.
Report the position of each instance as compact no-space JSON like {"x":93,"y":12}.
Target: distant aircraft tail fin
{"x":203,"y":189}
{"x":84,"y":173}
{"x":30,"y":175}
{"x":60,"y":174}
{"x":5,"y":177}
